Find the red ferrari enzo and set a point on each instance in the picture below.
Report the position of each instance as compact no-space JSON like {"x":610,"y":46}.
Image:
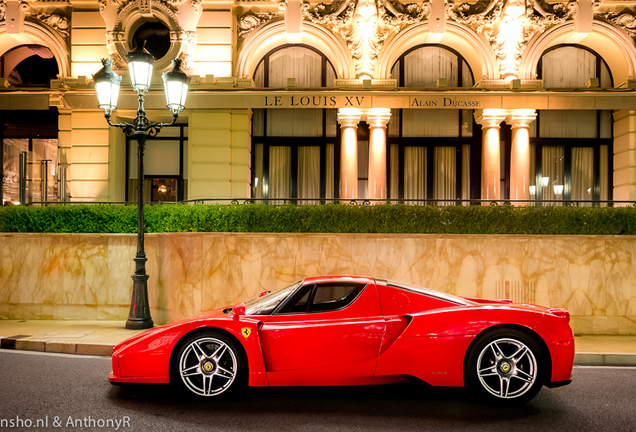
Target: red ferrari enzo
{"x":352,"y":330}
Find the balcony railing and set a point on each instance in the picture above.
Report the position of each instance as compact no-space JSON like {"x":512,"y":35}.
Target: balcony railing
{"x":441,"y":202}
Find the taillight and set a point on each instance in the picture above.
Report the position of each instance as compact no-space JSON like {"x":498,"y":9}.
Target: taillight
{"x":561,"y":313}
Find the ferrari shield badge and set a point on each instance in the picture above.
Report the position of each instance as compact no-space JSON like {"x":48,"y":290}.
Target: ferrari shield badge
{"x":246,"y":332}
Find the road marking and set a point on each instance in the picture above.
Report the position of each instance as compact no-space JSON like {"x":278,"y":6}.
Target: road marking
{"x":9,"y":351}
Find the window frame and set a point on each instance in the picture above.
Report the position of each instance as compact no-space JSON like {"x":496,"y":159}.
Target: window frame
{"x":312,"y":288}
{"x":27,"y":124}
{"x":180,"y":180}
{"x":597,"y":68}
{"x":431,"y":142}
{"x":569,"y":143}
{"x":295,"y":142}
{"x":265,"y":63}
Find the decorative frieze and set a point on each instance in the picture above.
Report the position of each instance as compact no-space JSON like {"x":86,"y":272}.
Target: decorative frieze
{"x":626,"y":20}
{"x":121,"y":14}
{"x":250,"y":21}
{"x":509,"y":25}
{"x":58,"y":22}
{"x":365,"y":24}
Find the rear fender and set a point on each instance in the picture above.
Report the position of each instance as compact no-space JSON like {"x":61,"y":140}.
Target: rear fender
{"x":469,"y":321}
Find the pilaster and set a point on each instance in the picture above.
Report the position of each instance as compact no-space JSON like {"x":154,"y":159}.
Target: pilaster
{"x":89,"y":154}
{"x":624,"y":155}
{"x":88,"y":35}
{"x":490,"y":119}
{"x":348,"y":119}
{"x":520,"y":120}
{"x":377,"y":118}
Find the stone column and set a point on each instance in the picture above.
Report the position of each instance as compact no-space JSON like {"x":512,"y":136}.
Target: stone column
{"x":89,"y":135}
{"x":489,"y":119}
{"x":520,"y":120}
{"x":210,"y":154}
{"x":377,"y":118}
{"x":624,"y":155}
{"x":348,"y":118}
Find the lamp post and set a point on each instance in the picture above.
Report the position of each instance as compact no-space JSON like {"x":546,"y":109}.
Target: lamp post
{"x":107,"y":84}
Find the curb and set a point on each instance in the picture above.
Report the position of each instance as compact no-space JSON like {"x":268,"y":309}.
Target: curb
{"x":600,"y":359}
{"x":95,"y":349}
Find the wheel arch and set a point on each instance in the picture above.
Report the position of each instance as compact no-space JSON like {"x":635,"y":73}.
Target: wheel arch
{"x":546,"y":358}
{"x":202,"y":330}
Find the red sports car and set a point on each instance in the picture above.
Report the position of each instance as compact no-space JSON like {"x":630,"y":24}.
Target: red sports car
{"x":352,"y":330}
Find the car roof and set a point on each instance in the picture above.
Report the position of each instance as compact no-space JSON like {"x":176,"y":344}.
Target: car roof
{"x":339,"y":278}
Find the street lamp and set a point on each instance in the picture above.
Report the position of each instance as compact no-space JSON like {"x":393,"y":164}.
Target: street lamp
{"x":107,"y":87}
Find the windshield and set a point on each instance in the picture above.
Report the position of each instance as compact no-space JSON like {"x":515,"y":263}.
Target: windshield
{"x":431,"y":293}
{"x":265,"y":305}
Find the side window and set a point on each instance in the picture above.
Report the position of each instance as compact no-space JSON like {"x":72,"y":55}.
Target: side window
{"x":333,"y":296}
{"x":298,"y":303}
{"x":322,"y":298}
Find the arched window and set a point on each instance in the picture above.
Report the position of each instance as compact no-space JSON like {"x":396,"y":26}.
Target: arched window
{"x":430,"y":149}
{"x":570,"y":150}
{"x":294,"y":150}
{"x":29,"y":66}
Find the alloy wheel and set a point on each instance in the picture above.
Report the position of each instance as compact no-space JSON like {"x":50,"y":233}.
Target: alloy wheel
{"x":208,"y":366}
{"x":507,"y":368}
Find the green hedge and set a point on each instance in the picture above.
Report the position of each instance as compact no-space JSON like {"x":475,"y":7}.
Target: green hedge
{"x":331,"y":218}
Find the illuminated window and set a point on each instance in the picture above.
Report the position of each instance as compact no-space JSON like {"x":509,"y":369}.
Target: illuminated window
{"x":295,"y":149}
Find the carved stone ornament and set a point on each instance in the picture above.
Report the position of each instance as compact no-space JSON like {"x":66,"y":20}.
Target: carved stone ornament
{"x":365,"y":24}
{"x":3,"y":9}
{"x":104,"y":3}
{"x":510,"y":24}
{"x":145,"y":7}
{"x":58,"y":22}
{"x":182,"y":43}
{"x":625,"y":20}
{"x":250,"y":21}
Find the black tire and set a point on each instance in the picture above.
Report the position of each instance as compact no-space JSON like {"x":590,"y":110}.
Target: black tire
{"x":505,"y":367}
{"x":209,"y":364}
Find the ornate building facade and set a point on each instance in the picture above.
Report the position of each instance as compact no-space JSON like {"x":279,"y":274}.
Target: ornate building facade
{"x":353,"y":99}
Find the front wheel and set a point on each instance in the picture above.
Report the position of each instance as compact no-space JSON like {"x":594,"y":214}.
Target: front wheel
{"x":506,"y":367}
{"x":209,"y":364}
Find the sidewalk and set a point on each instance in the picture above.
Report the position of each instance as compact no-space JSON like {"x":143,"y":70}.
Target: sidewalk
{"x":99,"y":337}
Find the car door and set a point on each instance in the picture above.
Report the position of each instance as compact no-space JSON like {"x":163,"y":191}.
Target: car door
{"x":326,"y":334}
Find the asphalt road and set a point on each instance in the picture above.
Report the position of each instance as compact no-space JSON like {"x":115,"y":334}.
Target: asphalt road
{"x":45,"y":387}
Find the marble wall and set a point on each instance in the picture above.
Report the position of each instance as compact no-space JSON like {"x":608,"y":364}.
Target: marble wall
{"x":86,"y":276}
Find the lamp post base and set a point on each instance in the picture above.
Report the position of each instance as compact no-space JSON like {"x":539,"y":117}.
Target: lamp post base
{"x":139,"y":316}
{"x":139,"y":323}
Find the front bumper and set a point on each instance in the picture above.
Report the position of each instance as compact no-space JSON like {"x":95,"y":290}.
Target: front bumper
{"x":115,"y":376}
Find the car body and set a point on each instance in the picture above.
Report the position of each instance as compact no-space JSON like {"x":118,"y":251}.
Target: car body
{"x":356,"y":330}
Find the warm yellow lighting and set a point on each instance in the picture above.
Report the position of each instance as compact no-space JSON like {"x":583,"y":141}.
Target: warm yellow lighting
{"x":85,"y":69}
{"x":163,"y":188}
{"x":294,"y":38}
{"x":364,"y":77}
{"x":218,"y":69}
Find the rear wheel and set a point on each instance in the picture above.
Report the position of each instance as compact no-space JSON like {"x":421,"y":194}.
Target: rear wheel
{"x":506,"y":366}
{"x":209,"y":364}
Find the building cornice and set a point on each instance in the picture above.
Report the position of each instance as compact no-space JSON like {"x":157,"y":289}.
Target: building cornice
{"x":613,"y":99}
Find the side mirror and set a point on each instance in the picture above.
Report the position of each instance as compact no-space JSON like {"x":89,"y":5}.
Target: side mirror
{"x":238,"y":309}
{"x":264,"y":293}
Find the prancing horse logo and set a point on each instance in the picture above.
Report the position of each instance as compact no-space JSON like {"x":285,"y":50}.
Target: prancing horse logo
{"x":246,"y":332}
